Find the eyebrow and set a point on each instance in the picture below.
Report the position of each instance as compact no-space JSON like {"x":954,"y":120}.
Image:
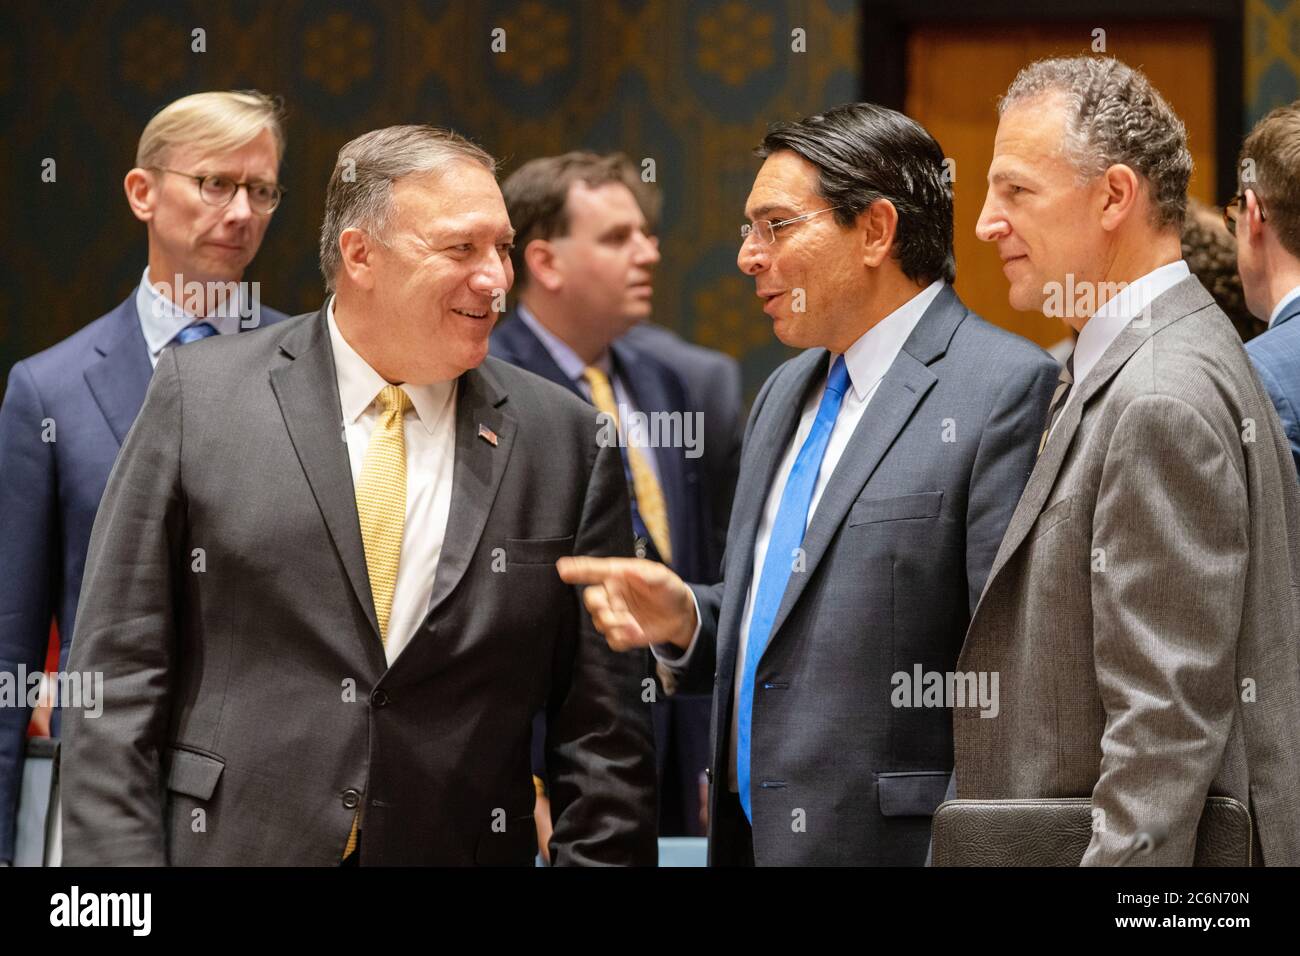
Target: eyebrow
{"x":765,"y":210}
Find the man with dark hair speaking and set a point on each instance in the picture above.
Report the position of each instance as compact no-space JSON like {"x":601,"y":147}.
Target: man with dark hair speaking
{"x":879,"y":470}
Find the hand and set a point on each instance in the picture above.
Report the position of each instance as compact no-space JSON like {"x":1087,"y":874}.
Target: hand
{"x":632,"y":601}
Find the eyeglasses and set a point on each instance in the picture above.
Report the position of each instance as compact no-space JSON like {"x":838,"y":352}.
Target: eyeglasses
{"x":217,"y":190}
{"x":1232,"y":209}
{"x":765,"y":229}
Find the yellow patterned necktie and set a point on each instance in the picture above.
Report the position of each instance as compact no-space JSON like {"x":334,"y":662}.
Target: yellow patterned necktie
{"x":649,"y":496}
{"x":381,"y":508}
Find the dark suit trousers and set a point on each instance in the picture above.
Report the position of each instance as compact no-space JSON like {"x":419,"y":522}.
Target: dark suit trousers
{"x":733,"y":838}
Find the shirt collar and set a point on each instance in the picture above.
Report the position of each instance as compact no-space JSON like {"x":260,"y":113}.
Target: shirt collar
{"x":570,"y":363}
{"x":161,"y":318}
{"x":1114,"y":315}
{"x":869,"y":358}
{"x":1282,"y":304}
{"x":360,"y":385}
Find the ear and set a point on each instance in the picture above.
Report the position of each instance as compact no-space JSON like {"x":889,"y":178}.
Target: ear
{"x":1251,"y":217}
{"x":141,"y":188}
{"x":1120,"y":191}
{"x":544,"y":267}
{"x":877,"y":225}
{"x":358,"y":249}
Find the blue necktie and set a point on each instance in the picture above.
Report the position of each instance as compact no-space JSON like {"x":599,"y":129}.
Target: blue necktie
{"x":787,"y":536}
{"x":192,"y":333}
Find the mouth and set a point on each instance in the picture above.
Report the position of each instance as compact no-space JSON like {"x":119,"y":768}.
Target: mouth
{"x":472,"y":313}
{"x":1007,"y":260}
{"x":769,"y":298}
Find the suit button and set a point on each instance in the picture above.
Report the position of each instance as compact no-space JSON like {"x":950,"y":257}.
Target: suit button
{"x":379,"y":698}
{"x":708,"y":772}
{"x":351,"y":799}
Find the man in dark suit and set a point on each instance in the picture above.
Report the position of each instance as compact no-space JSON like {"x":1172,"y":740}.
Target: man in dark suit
{"x":585,"y":256}
{"x":714,"y":387}
{"x":1265,"y":218}
{"x":327,"y":616}
{"x":205,"y":185}
{"x":879,"y":470}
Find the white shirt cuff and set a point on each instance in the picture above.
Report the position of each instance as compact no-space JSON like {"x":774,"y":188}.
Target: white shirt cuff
{"x":672,"y":658}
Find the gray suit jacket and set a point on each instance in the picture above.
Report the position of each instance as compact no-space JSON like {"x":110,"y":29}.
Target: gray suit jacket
{"x":896,"y":555}
{"x":1142,"y":611}
{"x":252,"y":685}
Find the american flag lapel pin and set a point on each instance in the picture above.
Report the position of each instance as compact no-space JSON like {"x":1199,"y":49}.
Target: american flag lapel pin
{"x":488,"y":435}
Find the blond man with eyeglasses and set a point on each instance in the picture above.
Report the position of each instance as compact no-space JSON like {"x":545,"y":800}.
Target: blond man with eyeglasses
{"x":205,"y":184}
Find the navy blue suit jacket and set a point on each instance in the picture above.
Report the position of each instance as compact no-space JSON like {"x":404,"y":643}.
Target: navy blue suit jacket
{"x":655,"y":387}
{"x":84,"y":393}
{"x":1276,"y":356}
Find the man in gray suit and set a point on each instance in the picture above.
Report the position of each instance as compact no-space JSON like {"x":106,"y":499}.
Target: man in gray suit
{"x":879,"y":470}
{"x":321,"y":584}
{"x":1141,"y":612}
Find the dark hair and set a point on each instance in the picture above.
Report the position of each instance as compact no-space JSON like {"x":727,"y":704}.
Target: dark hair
{"x":1211,"y":254}
{"x":865,"y":152}
{"x":537,"y":194}
{"x":1273,"y":149}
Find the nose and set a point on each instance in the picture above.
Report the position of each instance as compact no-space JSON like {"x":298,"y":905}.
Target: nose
{"x":992,"y":224}
{"x":492,"y":273}
{"x":647,"y":250}
{"x":752,"y":258}
{"x":239,"y":209}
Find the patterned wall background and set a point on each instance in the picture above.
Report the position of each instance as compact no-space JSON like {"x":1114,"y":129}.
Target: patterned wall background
{"x":1272,"y":55}
{"x":691,"y":85}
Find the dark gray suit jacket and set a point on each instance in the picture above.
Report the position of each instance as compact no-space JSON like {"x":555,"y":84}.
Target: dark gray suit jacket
{"x":896,"y":556}
{"x":255,"y":689}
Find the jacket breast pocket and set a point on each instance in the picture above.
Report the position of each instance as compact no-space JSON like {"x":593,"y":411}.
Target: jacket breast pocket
{"x":924,"y":504}
{"x":1053,"y":516}
{"x":537,"y":550}
{"x":193,"y":774}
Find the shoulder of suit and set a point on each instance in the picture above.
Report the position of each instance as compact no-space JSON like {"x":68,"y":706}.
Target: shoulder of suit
{"x":78,"y":349}
{"x":1197,"y":358}
{"x":1276,"y":346}
{"x":529,"y":393}
{"x":998,"y":347}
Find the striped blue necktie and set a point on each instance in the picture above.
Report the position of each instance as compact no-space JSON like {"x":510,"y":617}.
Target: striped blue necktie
{"x":782,"y":547}
{"x":192,"y":333}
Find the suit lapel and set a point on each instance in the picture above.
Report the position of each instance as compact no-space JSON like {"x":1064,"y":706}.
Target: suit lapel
{"x":120,"y":379}
{"x":1186,"y":297}
{"x":308,"y":394}
{"x":477,"y":475}
{"x":771,"y":436}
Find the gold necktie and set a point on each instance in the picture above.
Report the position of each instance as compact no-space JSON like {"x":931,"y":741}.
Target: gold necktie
{"x":649,"y":496}
{"x":381,"y":507}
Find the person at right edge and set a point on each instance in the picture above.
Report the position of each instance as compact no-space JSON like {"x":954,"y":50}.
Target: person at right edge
{"x":1141,"y":610}
{"x":878,"y":473}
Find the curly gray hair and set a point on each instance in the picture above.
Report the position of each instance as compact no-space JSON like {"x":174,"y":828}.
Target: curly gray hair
{"x":1114,"y":115}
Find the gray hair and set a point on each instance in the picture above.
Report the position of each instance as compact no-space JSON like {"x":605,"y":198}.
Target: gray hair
{"x":360,"y":191}
{"x":1114,"y":115}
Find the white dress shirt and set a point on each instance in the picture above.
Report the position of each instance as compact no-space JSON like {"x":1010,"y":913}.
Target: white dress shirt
{"x":1282,"y":303}
{"x":430,"y":460}
{"x":161,"y":318}
{"x":1112,"y":317}
{"x":867,"y":361}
